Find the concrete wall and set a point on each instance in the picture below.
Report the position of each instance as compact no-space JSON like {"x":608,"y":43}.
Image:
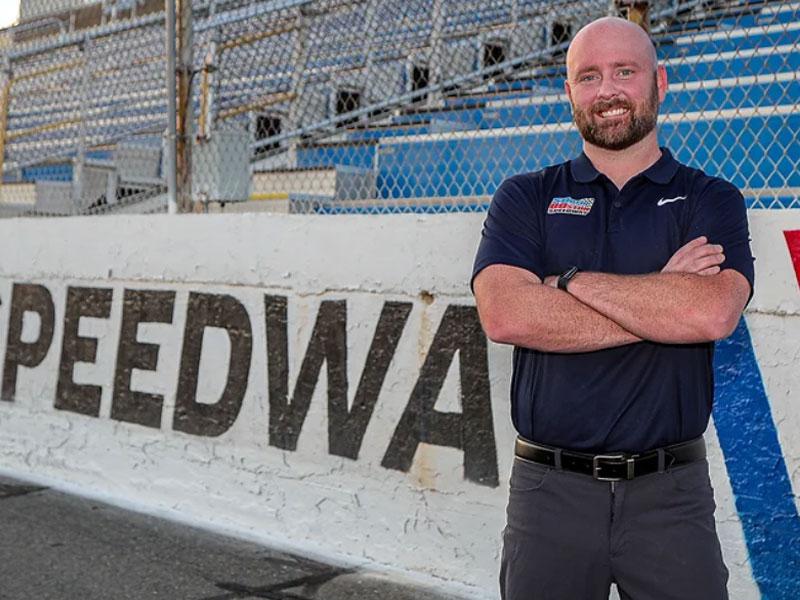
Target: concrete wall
{"x":321,"y":383}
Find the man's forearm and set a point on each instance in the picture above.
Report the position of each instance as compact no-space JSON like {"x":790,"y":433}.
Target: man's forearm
{"x":673,"y":308}
{"x":533,"y":315}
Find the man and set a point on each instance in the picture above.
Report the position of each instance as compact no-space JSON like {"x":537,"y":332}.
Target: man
{"x":612,"y":275}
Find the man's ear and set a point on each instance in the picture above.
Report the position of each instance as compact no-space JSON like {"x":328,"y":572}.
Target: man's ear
{"x":663,"y":84}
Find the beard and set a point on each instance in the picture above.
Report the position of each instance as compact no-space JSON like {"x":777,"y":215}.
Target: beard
{"x":621,"y":134}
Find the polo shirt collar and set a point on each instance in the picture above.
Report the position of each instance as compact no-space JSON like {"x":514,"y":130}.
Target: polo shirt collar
{"x":662,"y":171}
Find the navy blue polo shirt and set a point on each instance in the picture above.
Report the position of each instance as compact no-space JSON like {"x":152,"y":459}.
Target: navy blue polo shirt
{"x":634,"y":397}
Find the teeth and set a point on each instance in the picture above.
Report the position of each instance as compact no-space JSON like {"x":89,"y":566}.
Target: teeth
{"x":614,"y":113}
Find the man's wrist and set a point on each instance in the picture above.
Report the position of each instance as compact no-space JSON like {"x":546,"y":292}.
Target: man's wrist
{"x":565,"y":278}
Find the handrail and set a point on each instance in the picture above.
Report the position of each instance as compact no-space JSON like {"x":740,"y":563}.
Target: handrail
{"x":37,"y":24}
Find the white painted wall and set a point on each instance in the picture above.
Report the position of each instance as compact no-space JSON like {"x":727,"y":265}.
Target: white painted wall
{"x":431,"y":521}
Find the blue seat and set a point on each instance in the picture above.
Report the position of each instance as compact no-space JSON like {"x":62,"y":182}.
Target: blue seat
{"x":752,"y":152}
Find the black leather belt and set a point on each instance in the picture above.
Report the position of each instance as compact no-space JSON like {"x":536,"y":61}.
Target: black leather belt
{"x":612,"y":467}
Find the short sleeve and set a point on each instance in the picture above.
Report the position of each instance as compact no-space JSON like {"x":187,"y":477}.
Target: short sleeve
{"x":511,"y":233}
{"x":721,"y":215}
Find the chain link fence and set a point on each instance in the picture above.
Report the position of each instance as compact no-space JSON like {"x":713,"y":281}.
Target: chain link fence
{"x":365,"y":106}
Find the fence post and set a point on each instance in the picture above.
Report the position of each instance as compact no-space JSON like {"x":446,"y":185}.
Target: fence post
{"x":436,"y":42}
{"x":209,"y":85}
{"x":5,"y":99}
{"x":172,"y":118}
{"x":298,"y":59}
{"x":79,"y":162}
{"x":184,"y":105}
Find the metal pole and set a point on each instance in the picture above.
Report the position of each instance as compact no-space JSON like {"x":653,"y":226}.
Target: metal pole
{"x":516,"y":34}
{"x":5,"y":100}
{"x":172,"y":118}
{"x":208,"y":91}
{"x":368,"y":47}
{"x":216,"y":78}
{"x":298,"y":60}
{"x":436,"y":64}
{"x":184,"y":127}
{"x":79,"y":168}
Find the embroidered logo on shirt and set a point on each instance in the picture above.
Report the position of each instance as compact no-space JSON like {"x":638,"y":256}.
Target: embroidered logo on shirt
{"x":664,"y":201}
{"x":570,"y":206}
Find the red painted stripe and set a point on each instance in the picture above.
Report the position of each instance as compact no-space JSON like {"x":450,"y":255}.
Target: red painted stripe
{"x":793,"y":240}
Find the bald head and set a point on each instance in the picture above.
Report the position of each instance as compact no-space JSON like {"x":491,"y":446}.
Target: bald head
{"x":608,"y":31}
{"x":615,"y":85}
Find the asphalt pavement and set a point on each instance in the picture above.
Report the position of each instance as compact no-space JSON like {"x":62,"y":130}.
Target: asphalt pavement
{"x":56,"y":546}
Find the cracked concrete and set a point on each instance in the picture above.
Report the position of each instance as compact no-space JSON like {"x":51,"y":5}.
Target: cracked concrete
{"x":57,"y":546}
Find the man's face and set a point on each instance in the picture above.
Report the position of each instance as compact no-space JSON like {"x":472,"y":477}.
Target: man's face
{"x":613,"y":87}
{"x":599,"y":124}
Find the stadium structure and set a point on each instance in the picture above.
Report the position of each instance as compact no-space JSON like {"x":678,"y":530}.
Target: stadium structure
{"x":370,"y":105}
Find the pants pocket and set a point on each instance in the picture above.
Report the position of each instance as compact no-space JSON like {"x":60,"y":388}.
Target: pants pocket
{"x":527,"y":476}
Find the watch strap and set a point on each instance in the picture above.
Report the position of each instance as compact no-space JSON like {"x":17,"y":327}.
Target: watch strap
{"x":565,"y":277}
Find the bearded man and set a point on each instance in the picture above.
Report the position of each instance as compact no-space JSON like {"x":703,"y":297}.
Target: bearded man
{"x":612,"y":275}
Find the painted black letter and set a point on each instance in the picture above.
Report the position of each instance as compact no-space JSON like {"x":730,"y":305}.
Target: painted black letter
{"x":226,"y":312}
{"x":328,"y":344}
{"x":471,"y":431}
{"x":26,"y":297}
{"x":139,"y":306}
{"x":81,"y":302}
{"x":346,"y":429}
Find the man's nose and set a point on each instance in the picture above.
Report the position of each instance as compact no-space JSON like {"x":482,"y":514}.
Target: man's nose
{"x":608,"y":88}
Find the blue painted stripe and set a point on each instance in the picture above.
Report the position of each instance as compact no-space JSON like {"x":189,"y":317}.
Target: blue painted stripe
{"x":756,"y":468}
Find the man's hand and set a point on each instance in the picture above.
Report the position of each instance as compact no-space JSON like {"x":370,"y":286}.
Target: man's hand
{"x":698,"y":257}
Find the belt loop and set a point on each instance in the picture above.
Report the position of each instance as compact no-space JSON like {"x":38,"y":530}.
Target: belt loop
{"x":661,"y":460}
{"x":558,"y":458}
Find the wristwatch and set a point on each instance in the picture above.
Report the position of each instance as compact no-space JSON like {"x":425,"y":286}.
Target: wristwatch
{"x":565,"y":277}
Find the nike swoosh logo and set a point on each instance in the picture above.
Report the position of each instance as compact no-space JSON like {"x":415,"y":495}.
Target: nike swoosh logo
{"x":664,"y":201}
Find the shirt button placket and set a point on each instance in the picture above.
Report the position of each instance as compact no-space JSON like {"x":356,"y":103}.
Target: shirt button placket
{"x":614,"y":219}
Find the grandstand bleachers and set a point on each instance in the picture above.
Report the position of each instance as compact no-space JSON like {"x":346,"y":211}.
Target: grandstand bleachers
{"x":745,"y":80}
{"x":732,"y":107}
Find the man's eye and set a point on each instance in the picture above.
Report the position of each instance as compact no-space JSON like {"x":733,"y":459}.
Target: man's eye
{"x":626,"y":72}
{"x":584,"y":78}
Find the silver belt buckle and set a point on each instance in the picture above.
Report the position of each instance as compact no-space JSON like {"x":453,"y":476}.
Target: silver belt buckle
{"x":596,"y":466}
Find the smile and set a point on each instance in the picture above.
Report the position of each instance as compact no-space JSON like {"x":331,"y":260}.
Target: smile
{"x":617,"y":112}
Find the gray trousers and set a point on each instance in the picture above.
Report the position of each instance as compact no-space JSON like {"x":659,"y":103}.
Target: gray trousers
{"x":568,"y":536}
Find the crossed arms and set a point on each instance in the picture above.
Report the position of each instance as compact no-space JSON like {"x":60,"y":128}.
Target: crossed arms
{"x":689,"y":301}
